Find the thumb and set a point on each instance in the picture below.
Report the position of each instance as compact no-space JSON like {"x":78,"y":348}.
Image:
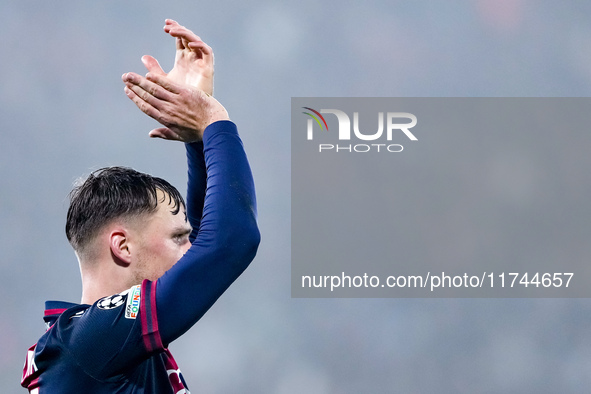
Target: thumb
{"x":152,"y":65}
{"x":164,"y":133}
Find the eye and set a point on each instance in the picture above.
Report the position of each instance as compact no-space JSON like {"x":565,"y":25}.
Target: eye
{"x":181,"y":238}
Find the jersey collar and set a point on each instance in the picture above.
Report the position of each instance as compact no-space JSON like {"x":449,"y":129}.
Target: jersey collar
{"x":53,"y":309}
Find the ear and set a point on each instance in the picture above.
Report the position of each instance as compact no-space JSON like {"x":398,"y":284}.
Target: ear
{"x":119,"y":244}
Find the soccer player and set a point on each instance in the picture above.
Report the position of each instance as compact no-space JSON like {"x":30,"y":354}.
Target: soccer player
{"x":151,"y":265}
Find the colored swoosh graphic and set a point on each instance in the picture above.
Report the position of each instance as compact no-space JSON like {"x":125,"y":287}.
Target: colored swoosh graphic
{"x":315,"y":118}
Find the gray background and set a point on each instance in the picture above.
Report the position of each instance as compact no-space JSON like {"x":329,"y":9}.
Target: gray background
{"x":63,"y":113}
{"x":492,"y":185}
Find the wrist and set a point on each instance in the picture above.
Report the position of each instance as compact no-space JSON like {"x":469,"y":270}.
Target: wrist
{"x":215,"y":113}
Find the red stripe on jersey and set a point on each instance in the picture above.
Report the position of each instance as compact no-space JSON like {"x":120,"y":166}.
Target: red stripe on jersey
{"x":154,"y":316}
{"x":49,"y":312}
{"x":148,"y":316}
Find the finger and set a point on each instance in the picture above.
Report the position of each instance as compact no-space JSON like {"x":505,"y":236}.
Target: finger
{"x":164,"y":82}
{"x":149,"y":88}
{"x":169,"y":23}
{"x":135,"y":91}
{"x":144,"y":106}
{"x":182,"y":32}
{"x":200,"y":45}
{"x":152,"y":65}
{"x":164,"y":133}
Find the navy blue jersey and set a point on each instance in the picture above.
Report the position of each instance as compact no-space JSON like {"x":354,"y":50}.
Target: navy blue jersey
{"x":113,"y":346}
{"x":119,"y":344}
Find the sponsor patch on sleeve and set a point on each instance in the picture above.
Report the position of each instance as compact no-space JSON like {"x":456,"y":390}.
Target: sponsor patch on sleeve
{"x":132,"y":306}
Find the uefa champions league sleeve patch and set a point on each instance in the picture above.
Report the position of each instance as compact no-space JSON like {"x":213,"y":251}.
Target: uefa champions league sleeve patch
{"x":133,"y":302}
{"x":131,"y":299}
{"x":113,"y":301}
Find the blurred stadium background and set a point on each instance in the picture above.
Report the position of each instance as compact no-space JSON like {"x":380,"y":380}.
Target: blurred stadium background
{"x":63,"y":113}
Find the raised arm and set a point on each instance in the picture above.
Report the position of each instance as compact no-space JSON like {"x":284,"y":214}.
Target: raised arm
{"x":228,"y":235}
{"x":227,"y":240}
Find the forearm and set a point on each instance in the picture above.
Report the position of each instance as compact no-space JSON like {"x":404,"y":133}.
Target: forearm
{"x":197,"y":182}
{"x":227,"y":240}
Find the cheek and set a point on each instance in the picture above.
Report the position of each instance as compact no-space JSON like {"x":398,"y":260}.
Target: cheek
{"x":185,"y":248}
{"x":175,"y":252}
{"x":159,"y":253}
{"x":162,"y":254}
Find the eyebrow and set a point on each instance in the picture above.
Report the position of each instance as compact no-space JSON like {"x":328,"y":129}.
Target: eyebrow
{"x":183,"y":230}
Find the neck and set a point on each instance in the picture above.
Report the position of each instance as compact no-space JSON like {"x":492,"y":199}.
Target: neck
{"x":102,"y":280}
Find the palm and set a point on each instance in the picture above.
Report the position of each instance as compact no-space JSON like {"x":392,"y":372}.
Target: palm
{"x":192,"y":68}
{"x":193,"y":63}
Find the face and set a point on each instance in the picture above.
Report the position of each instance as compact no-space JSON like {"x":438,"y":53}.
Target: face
{"x":161,"y":239}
